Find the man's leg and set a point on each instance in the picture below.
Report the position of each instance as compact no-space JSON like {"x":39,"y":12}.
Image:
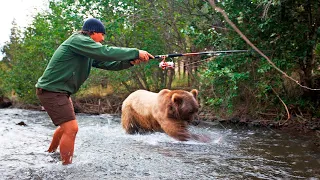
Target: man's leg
{"x":55,"y":140}
{"x":67,"y":141}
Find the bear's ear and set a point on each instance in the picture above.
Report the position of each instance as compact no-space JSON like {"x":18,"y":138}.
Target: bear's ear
{"x":163,"y":92}
{"x":177,"y":98}
{"x":194,"y":92}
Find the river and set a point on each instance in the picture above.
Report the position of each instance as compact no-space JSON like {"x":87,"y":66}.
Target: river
{"x":104,"y":151}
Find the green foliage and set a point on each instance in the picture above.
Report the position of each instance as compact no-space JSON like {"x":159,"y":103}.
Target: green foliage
{"x":225,"y":74}
{"x":283,"y":31}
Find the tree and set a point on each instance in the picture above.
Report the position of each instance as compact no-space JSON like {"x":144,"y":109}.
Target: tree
{"x":286,"y":31}
{"x":12,"y":47}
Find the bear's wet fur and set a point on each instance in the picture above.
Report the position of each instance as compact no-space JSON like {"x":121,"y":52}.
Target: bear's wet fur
{"x":169,"y":111}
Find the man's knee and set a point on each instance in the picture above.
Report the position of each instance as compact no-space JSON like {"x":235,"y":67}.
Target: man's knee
{"x":70,"y":127}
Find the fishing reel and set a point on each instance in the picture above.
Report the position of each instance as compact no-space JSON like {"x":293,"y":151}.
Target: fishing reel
{"x":166,"y":65}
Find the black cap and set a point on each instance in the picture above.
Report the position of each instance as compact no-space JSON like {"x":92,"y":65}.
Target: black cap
{"x":93,"y":24}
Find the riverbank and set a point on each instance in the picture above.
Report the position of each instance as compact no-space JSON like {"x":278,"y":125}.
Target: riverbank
{"x":310,"y":127}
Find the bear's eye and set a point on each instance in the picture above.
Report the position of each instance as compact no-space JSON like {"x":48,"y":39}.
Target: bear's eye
{"x":193,"y":111}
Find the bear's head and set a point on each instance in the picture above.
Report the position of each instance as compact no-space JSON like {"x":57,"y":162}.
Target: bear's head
{"x":183,"y":105}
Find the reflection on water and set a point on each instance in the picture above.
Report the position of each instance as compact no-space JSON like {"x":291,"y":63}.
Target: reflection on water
{"x":104,"y":151}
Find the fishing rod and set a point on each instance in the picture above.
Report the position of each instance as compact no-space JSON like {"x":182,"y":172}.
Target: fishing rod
{"x":210,"y":53}
{"x":164,"y":65}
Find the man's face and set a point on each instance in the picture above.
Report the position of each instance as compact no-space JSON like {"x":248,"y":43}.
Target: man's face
{"x":97,"y":37}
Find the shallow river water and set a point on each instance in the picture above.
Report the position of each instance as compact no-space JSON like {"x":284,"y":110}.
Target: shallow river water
{"x":104,"y":151}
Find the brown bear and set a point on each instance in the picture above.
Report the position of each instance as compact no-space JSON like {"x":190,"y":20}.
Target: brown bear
{"x":170,"y":111}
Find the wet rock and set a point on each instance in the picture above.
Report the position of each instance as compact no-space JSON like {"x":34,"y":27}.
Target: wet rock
{"x":21,"y":124}
{"x":5,"y":102}
{"x":235,"y":120}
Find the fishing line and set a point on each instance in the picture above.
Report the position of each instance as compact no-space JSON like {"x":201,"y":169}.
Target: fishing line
{"x":209,"y":53}
{"x":170,"y":64}
{"x":164,"y":64}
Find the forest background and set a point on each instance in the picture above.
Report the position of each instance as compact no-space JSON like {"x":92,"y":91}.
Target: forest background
{"x":241,"y":86}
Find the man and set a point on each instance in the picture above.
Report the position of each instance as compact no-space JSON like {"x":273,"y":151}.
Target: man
{"x":67,"y":70}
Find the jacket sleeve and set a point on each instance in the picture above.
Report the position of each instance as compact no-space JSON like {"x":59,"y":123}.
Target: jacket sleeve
{"x":86,"y":46}
{"x":112,"y":65}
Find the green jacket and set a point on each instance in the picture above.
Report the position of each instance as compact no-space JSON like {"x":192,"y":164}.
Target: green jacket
{"x":71,"y":63}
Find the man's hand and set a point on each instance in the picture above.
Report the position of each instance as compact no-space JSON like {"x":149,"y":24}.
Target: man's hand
{"x":135,"y":62}
{"x":144,"y":56}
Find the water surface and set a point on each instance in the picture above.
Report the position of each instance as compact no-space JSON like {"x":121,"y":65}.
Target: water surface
{"x":104,"y":151}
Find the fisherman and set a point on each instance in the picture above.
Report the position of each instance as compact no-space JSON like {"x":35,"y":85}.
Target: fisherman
{"x":67,"y":70}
